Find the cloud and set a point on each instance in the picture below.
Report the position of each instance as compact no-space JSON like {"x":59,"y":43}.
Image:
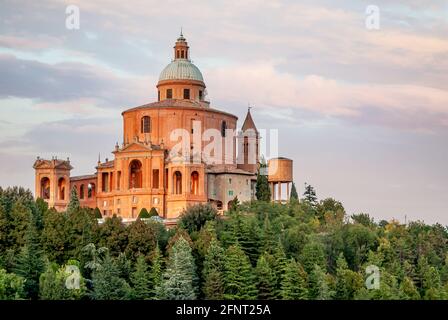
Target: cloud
{"x":68,"y":82}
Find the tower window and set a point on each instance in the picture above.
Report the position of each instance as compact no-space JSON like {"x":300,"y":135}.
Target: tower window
{"x":169,"y":93}
{"x":186,"y":93}
{"x":223,"y":128}
{"x":182,"y":54}
{"x":200,"y":94}
{"x":177,"y":179}
{"x":155,"y":178}
{"x":158,"y":95}
{"x":146,"y":124}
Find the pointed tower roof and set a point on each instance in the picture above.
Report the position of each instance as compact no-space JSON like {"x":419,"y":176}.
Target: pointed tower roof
{"x":249,"y":122}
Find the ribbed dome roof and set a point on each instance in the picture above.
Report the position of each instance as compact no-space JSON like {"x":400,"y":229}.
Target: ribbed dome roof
{"x":181,"y":69}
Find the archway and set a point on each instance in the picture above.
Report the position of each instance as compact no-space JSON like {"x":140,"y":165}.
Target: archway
{"x":135,"y":174}
{"x":45,"y":188}
{"x":90,"y":190}
{"x":81,"y":191}
{"x":61,"y":189}
{"x":194,"y":182}
{"x":177,"y":182}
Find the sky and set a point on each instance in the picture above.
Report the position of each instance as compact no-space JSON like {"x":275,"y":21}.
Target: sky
{"x":362,"y":111}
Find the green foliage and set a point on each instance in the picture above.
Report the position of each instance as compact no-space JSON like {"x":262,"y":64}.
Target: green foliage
{"x":73,"y":205}
{"x":113,"y":235}
{"x":62,"y":283}
{"x":239,"y":282}
{"x":194,"y":217}
{"x":294,"y":195}
{"x":53,"y":236}
{"x":156,"y":274}
{"x":97,"y":213}
{"x":319,"y":284}
{"x":144,"y":214}
{"x":266,"y":279}
{"x":11,"y":286}
{"x":313,"y":253}
{"x":180,"y":275}
{"x":294,"y":283}
{"x":153,"y":212}
{"x":310,"y":194}
{"x":140,"y":280}
{"x":213,"y":272}
{"x":262,"y":189}
{"x":30,"y":263}
{"x":141,"y":239}
{"x":107,"y":283}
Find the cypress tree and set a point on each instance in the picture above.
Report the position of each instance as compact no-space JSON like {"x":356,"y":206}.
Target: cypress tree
{"x":156,"y":275}
{"x":107,"y":284}
{"x":294,"y":284}
{"x":294,"y":195}
{"x":144,"y":214}
{"x":180,"y":275}
{"x":262,"y":190}
{"x":239,"y":282}
{"x":318,"y":284}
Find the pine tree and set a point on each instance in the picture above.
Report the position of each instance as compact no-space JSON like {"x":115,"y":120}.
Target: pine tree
{"x":74,"y":204}
{"x":30,"y":263}
{"x":213,"y":272}
{"x":294,"y":284}
{"x":408,"y":290}
{"x":53,"y":236}
{"x":310,"y":194}
{"x":140,"y":280}
{"x":348,"y":282}
{"x":318,"y":285}
{"x":156,"y":274}
{"x":180,"y":275}
{"x":266,"y":279}
{"x":294,"y":195}
{"x":107,"y":284}
{"x":313,"y":253}
{"x":239,"y":282}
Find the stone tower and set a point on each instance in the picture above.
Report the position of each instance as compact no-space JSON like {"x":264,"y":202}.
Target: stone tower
{"x":52,"y":180}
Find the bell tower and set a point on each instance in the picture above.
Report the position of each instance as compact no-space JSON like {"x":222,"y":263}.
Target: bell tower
{"x":52,"y":182}
{"x":248,"y":145}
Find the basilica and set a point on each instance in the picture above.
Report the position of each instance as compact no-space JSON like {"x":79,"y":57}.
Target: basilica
{"x":176,"y":152}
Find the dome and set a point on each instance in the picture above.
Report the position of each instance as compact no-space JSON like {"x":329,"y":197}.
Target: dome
{"x":181,"y":69}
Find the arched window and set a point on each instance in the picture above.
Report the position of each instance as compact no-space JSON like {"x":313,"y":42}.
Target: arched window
{"x":146,"y":124}
{"x":90,"y":190}
{"x":81,"y":191}
{"x":45,"y":188}
{"x":61,"y":189}
{"x":135,"y":174}
{"x":194,"y":182}
{"x":177,"y":182}
{"x":223,"y":128}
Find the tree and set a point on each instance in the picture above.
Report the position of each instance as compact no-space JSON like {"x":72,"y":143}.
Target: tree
{"x":348,"y":282}
{"x":310,"y":194}
{"x":262,"y":190}
{"x":107,"y":283}
{"x":213,"y":272}
{"x":294,"y":284}
{"x":318,"y":283}
{"x":30,"y":263}
{"x":11,"y":286}
{"x":113,"y":235}
{"x":80,"y":230}
{"x":153,"y":212}
{"x":144,"y":214}
{"x":313,"y":253}
{"x":408,"y":290}
{"x":194,"y":217}
{"x":294,"y":195}
{"x":73,"y":204}
{"x":156,"y":274}
{"x":239,"y":282}
{"x":97,"y":213}
{"x":140,"y":280}
{"x":62,"y":283}
{"x":141,"y":239}
{"x":363,"y":218}
{"x":180,"y":275}
{"x":53,"y":236}
{"x":266,"y":279}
